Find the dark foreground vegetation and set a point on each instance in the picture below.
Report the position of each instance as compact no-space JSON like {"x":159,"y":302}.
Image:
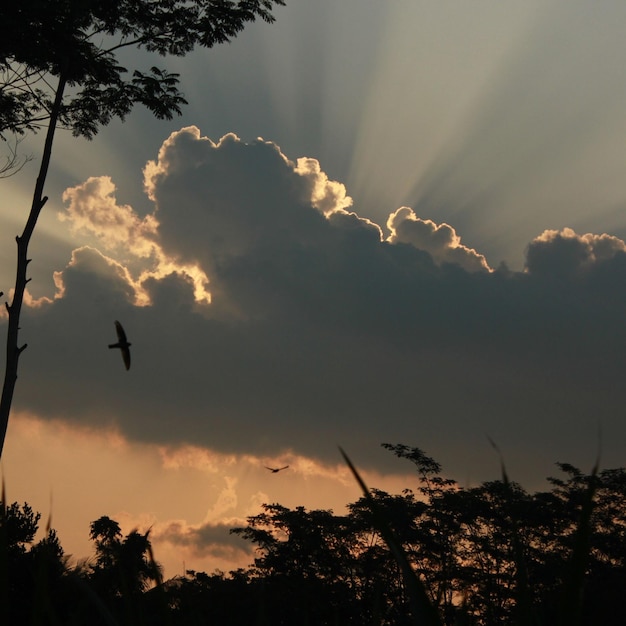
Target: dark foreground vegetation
{"x":486,"y":555}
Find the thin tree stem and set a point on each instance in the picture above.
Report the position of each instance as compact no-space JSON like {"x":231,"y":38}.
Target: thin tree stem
{"x":15,"y":308}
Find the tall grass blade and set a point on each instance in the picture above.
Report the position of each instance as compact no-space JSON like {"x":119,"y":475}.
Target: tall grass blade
{"x":424,"y":613}
{"x":42,"y":610}
{"x":524,"y":601}
{"x":572,"y":600}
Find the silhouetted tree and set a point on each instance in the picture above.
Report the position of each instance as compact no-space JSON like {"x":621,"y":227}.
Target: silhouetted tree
{"x":59,"y":67}
{"x":200,"y":599}
{"x":32,"y":574}
{"x":123,"y":570}
{"x":434,"y":533}
{"x":316,"y":568}
{"x":306,"y":561}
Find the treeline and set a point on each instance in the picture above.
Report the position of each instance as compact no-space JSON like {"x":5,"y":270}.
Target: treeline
{"x":486,"y":555}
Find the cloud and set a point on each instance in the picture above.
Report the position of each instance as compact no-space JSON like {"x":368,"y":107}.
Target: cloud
{"x":93,"y":210}
{"x":187,"y":497}
{"x":210,"y":539}
{"x":566,"y":254}
{"x":439,"y":240}
{"x":319,"y":332}
{"x":217,"y":202}
{"x":327,"y":196}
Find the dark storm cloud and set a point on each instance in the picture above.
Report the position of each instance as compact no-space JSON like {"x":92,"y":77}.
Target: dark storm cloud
{"x":320,"y":332}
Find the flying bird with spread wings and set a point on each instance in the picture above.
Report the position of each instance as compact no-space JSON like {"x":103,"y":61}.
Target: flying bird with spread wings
{"x":275,"y":470}
{"x":122,"y":344}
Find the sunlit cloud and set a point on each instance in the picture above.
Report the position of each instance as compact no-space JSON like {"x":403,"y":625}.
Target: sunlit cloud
{"x":92,"y":209}
{"x":195,"y":457}
{"x":88,"y":260}
{"x":32,"y":301}
{"x":326,"y":195}
{"x":439,"y":240}
{"x":212,"y":461}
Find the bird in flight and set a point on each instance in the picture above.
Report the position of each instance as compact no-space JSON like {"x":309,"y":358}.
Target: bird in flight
{"x":275,"y":470}
{"x":122,"y":344}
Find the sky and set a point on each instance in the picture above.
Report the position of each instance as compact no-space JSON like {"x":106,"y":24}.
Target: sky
{"x":376,"y":221}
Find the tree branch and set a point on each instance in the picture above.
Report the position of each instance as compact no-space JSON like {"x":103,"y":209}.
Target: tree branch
{"x":12,"y":163}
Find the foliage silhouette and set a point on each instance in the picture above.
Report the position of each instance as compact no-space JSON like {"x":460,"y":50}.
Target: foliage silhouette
{"x":123,"y":568}
{"x":314,"y":567}
{"x":31,"y":571}
{"x":422,"y":608}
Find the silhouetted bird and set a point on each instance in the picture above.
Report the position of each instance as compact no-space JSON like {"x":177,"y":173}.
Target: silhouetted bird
{"x":122,"y":344}
{"x":275,"y":470}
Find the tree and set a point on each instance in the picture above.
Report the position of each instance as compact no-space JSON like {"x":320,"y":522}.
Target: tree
{"x":200,"y":599}
{"x":124,"y":565}
{"x":123,"y":570}
{"x":381,"y":583}
{"x":32,"y":574}
{"x":59,"y":68}
{"x":306,"y":562}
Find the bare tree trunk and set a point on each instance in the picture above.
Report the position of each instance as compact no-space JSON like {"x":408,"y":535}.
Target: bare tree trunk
{"x":15,"y":308}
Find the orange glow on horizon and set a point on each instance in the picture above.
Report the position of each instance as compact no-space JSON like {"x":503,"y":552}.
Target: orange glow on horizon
{"x":188,"y":496}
